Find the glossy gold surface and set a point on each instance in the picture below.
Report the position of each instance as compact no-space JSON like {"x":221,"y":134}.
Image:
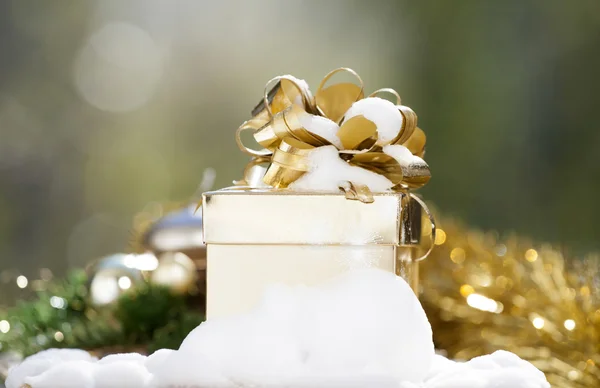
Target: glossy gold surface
{"x":358,"y":133}
{"x":289,"y":163}
{"x":234,"y":217}
{"x":333,"y":101}
{"x":416,"y":142}
{"x":285,"y":92}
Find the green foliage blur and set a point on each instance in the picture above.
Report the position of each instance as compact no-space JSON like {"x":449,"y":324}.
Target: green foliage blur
{"x":106,"y":106}
{"x":144,"y":319}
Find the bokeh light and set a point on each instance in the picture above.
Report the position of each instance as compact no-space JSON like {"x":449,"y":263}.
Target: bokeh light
{"x":4,"y":326}
{"x":119,"y":67}
{"x":22,"y":281}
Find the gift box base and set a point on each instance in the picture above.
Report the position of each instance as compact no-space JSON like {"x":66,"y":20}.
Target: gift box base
{"x":239,"y":274}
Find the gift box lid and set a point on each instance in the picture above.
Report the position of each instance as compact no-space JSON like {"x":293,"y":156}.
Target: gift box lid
{"x":267,"y":216}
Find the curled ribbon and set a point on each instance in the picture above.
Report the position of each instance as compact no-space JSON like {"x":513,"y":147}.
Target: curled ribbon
{"x":278,"y":126}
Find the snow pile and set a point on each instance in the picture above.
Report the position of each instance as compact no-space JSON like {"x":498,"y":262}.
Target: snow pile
{"x":327,"y":170}
{"x":323,"y":127}
{"x":402,"y":154}
{"x":43,"y":361}
{"x":364,"y":329}
{"x":498,"y":370}
{"x":384,"y":114}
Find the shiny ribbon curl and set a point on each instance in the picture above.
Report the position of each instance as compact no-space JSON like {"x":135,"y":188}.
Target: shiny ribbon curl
{"x":276,"y":125}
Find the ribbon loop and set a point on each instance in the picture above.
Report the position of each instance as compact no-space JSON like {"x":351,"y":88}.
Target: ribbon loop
{"x":333,"y":101}
{"x":252,"y":125}
{"x":416,"y":142}
{"x":409,"y":124}
{"x":289,"y":162}
{"x":387,"y":90}
{"x":287,"y":91}
{"x":254,"y":173}
{"x":287,"y":124}
{"x":358,"y":133}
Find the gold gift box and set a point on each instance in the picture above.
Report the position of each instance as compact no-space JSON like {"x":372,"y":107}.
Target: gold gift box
{"x":258,"y":237}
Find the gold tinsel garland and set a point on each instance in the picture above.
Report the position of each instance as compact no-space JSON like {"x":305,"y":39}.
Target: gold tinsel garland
{"x":483,"y":293}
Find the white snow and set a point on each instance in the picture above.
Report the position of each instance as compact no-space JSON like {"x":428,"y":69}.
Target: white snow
{"x":499,"y":370}
{"x":153,"y":361}
{"x":66,"y":374}
{"x":42,"y":361}
{"x":123,"y":357}
{"x":120,"y":374}
{"x":327,"y":170}
{"x":401,"y":154}
{"x":363,"y":329}
{"x":323,"y":127}
{"x":383,"y":113}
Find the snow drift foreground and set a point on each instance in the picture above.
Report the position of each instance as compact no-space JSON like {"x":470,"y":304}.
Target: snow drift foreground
{"x":364,"y":329}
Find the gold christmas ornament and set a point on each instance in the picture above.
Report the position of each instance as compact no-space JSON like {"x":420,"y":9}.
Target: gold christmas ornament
{"x":176,"y":239}
{"x":278,"y":125}
{"x":112,"y":276}
{"x":145,"y":220}
{"x":483,"y":293}
{"x":178,"y":231}
{"x":173,"y":227}
{"x":176,"y":271}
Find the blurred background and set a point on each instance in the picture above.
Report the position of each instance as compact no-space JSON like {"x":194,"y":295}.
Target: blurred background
{"x":107,"y":106}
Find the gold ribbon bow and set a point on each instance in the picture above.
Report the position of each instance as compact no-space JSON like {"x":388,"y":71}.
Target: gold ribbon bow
{"x":278,"y":125}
